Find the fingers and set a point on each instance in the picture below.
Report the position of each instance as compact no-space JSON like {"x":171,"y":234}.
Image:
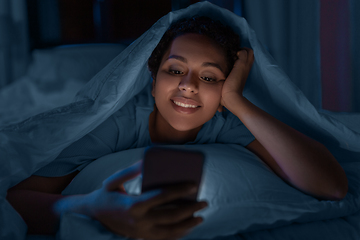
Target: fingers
{"x":242,"y":67}
{"x":242,"y":55}
{"x":246,"y":55}
{"x":115,"y":181}
{"x":148,"y":200}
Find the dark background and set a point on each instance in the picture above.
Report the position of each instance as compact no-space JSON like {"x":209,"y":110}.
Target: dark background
{"x":57,"y":22}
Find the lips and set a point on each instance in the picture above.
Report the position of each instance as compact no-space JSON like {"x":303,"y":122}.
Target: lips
{"x":185,"y":101}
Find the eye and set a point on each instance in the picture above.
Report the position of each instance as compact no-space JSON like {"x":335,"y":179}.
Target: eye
{"x":208,"y":79}
{"x":175,"y":72}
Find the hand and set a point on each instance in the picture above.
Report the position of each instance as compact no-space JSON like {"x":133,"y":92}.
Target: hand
{"x":235,"y":82}
{"x":139,"y":216}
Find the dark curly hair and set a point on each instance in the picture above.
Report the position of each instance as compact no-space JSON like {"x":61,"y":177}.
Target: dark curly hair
{"x":223,"y":35}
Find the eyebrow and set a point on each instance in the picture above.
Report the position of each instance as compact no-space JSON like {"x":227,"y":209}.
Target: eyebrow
{"x":205,"y":64}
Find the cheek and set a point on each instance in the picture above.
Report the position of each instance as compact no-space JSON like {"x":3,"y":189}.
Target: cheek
{"x":162,"y":91}
{"x":166,"y":81}
{"x":160,"y":87}
{"x":213,"y":94}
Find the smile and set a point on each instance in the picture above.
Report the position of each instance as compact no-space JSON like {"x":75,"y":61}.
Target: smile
{"x":185,"y":105}
{"x":184,"y":108}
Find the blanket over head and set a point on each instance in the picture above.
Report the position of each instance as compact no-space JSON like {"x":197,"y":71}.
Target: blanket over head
{"x":35,"y":142}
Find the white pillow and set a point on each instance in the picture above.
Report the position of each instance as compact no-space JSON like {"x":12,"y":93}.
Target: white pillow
{"x":242,"y":192}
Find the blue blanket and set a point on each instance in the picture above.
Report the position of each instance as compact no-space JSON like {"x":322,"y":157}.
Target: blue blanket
{"x":35,"y":142}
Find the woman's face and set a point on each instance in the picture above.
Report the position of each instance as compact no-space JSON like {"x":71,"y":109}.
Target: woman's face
{"x":187,"y":88}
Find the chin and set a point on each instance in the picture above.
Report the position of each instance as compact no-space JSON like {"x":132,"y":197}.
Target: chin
{"x":180,"y":126}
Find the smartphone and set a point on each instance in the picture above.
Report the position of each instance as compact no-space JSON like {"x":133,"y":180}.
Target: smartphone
{"x":163,"y":167}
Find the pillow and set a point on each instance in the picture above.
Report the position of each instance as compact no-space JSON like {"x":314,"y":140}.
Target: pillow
{"x":242,"y":192}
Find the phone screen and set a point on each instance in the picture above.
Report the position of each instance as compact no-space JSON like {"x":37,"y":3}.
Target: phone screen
{"x":164,"y":167}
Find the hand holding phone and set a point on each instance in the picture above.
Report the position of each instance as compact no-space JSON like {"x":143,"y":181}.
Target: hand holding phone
{"x":164,"y":167}
{"x":137,"y":217}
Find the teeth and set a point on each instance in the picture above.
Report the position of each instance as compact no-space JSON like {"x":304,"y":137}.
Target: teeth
{"x":184,"y":105}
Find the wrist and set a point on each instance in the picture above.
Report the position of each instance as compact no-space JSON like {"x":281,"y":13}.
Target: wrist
{"x":76,"y":204}
{"x":233,"y":101}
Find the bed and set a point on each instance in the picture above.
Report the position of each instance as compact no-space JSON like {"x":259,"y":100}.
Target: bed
{"x":263,"y":208}
{"x":53,"y":78}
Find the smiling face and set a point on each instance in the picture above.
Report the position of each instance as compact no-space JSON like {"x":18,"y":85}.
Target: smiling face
{"x":188,"y":84}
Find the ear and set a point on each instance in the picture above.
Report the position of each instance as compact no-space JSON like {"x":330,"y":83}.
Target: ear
{"x":153,"y":88}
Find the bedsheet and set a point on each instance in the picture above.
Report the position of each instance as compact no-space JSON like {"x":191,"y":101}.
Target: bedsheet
{"x":27,"y":146}
{"x":345,"y":228}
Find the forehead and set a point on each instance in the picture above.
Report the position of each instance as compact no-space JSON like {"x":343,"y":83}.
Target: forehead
{"x":196,"y":45}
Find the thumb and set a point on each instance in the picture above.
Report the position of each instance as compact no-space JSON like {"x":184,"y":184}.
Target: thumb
{"x":115,"y":181}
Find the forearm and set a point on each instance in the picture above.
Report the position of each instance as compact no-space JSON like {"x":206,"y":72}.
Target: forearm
{"x":36,"y":208}
{"x":307,"y":163}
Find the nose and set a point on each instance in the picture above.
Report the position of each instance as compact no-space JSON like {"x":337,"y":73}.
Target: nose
{"x":189,"y":84}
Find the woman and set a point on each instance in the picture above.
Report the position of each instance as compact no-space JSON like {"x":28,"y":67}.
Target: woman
{"x":197,"y":70}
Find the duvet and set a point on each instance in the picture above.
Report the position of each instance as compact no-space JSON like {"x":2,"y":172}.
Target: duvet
{"x":253,"y":203}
